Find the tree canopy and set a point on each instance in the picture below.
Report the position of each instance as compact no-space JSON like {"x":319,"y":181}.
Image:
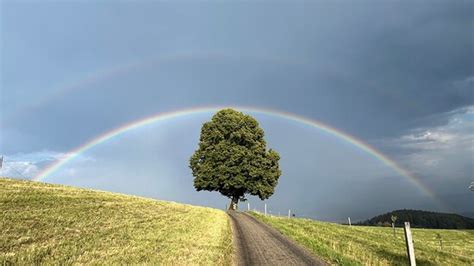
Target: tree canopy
{"x":232,"y":158}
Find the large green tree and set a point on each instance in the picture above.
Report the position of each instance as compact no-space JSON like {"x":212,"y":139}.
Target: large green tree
{"x":232,"y":158}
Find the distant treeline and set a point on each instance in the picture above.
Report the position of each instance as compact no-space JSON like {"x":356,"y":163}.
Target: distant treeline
{"x":422,"y":219}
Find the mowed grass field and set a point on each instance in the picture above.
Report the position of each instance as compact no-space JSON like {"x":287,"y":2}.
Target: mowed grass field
{"x":364,"y":245}
{"x":42,"y":223}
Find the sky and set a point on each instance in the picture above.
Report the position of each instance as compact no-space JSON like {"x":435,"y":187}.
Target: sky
{"x":397,"y":75}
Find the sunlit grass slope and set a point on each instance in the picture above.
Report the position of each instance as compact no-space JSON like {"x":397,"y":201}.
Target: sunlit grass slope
{"x":42,"y":223}
{"x":341,"y":244}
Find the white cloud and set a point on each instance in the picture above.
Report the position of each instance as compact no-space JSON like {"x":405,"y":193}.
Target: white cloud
{"x":21,"y":169}
{"x":28,"y":165}
{"x":429,"y":136}
{"x":458,"y":133}
{"x":441,"y":156}
{"x":466,"y":83}
{"x":446,"y":150}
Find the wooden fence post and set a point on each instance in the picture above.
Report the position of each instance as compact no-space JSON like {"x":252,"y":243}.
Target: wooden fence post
{"x":409,"y":244}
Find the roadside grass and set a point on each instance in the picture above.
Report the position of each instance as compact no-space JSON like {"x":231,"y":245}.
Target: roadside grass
{"x":357,"y":245}
{"x":52,"y":224}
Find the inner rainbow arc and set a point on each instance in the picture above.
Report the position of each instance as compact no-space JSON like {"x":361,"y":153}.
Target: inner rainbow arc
{"x":50,"y":169}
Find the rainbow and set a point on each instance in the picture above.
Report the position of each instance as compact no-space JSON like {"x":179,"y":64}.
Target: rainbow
{"x":49,"y":170}
{"x":111,"y":72}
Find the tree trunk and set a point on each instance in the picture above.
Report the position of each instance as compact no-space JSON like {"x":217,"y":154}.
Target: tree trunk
{"x":233,"y":203}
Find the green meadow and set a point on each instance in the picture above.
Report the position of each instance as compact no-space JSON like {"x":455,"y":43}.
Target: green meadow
{"x":364,"y":245}
{"x":42,"y":223}
{"x":51,"y":224}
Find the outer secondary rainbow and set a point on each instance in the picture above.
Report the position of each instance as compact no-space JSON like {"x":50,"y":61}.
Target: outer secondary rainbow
{"x":276,"y":113}
{"x":114,"y":71}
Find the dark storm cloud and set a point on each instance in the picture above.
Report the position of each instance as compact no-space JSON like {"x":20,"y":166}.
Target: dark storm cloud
{"x":372,"y":69}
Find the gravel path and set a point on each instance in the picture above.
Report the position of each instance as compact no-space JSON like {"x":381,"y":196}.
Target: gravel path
{"x":258,"y":244}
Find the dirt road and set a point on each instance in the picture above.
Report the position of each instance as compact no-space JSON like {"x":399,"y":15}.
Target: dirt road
{"x":259,"y":244}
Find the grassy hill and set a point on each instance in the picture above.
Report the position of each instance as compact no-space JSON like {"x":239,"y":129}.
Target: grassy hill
{"x":423,"y":219}
{"x":356,"y":245}
{"x":42,"y":223}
